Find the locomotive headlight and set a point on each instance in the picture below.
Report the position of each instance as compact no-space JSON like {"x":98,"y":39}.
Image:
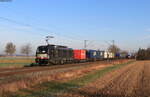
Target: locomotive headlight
{"x":42,"y":56}
{"x":43,"y":51}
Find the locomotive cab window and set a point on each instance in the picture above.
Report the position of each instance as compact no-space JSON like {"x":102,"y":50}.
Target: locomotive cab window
{"x":42,"y":49}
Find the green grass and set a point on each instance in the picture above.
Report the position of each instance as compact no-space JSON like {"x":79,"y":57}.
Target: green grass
{"x":16,"y":58}
{"x":13,"y":64}
{"x":15,"y":61}
{"x":49,"y":89}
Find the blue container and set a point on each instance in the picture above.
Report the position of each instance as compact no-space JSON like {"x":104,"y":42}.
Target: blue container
{"x":91,"y":54}
{"x":117,"y":55}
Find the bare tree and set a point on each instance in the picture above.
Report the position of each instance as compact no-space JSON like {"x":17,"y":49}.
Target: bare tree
{"x":26,"y":49}
{"x":114,"y":49}
{"x":10,"y":48}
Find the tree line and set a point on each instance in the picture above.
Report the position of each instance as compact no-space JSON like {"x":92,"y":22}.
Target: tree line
{"x":143,"y":54}
{"x":10,"y":49}
{"x":115,"y":49}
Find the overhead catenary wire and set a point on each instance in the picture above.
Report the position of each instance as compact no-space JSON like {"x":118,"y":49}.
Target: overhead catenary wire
{"x":58,"y":36}
{"x":76,"y":37}
{"x":37,"y":19}
{"x":39,"y":28}
{"x":47,"y":31}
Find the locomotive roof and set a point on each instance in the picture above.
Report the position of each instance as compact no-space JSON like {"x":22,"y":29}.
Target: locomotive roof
{"x":60,"y":46}
{"x":56,"y":46}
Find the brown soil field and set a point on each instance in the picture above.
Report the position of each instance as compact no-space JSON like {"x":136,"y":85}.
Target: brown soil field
{"x":132,"y":80}
{"x":13,"y":79}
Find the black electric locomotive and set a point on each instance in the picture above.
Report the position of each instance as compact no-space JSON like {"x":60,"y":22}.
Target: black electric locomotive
{"x":53,"y":54}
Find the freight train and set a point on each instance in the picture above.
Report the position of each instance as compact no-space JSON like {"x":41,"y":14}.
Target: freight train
{"x":55,"y":54}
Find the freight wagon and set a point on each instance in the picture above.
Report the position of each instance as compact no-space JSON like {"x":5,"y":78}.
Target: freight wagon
{"x":94,"y":55}
{"x":79,"y":55}
{"x":122,"y":56}
{"x":109,"y":55}
{"x":100,"y":55}
{"x":91,"y":55}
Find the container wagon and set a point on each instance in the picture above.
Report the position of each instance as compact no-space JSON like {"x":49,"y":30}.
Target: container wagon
{"x":109,"y":55}
{"x":106,"y":55}
{"x":100,"y":55}
{"x":79,"y":55}
{"x":91,"y":55}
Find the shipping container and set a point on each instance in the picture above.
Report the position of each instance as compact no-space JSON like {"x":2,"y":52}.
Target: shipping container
{"x":106,"y":55}
{"x":109,"y":55}
{"x":79,"y":54}
{"x":100,"y":55}
{"x":117,"y":55}
{"x":91,"y":55}
{"x":123,"y":56}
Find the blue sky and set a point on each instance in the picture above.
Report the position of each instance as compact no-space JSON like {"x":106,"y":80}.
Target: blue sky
{"x":72,"y":21}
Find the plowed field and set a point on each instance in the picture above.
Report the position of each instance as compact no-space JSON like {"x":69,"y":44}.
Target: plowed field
{"x":132,"y":80}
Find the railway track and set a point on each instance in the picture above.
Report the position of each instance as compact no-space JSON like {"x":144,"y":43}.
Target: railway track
{"x":15,"y":71}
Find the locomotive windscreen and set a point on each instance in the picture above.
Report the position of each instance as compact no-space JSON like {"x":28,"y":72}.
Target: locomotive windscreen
{"x":42,"y":49}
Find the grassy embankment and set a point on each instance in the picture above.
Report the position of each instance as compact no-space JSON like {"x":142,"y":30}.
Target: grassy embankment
{"x":15,"y":61}
{"x":52,"y":88}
